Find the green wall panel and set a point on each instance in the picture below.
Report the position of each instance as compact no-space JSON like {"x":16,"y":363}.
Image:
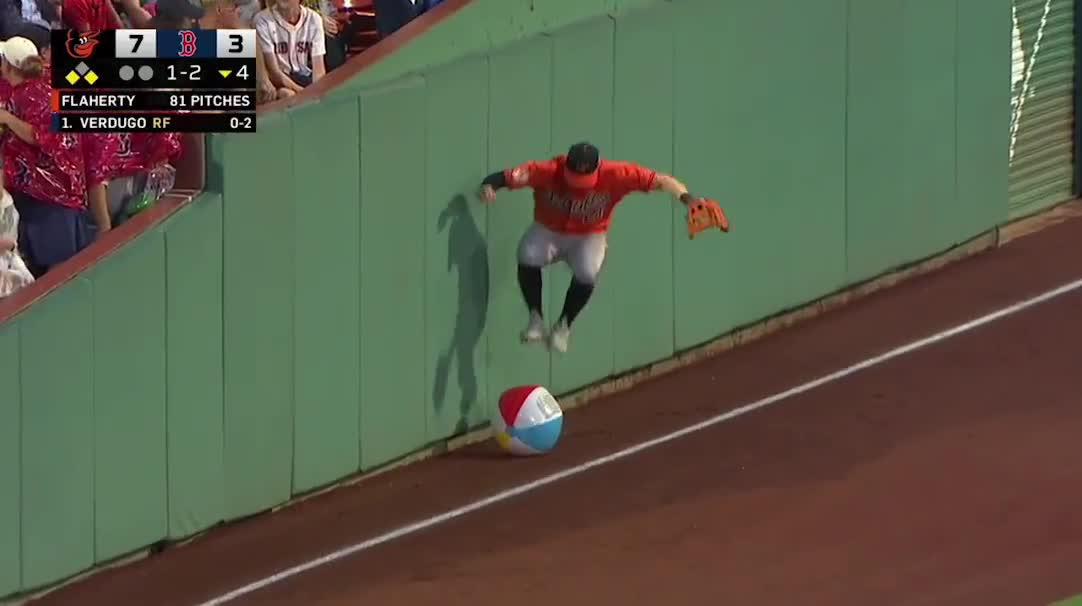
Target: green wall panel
{"x":703,"y":143}
{"x":929,"y":156}
{"x":983,"y":114}
{"x":582,"y":97}
{"x":519,"y":130}
{"x":327,"y":346}
{"x":393,"y":394}
{"x":57,"y":435}
{"x":10,"y":489}
{"x":258,"y":316}
{"x":639,"y":269}
{"x":799,"y":162}
{"x":193,"y":246}
{"x":129,"y":398}
{"x":879,"y":225}
{"x":907,"y":197}
{"x":457,"y":266}
{"x":773,"y":157}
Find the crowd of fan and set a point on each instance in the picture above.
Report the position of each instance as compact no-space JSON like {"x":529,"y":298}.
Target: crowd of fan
{"x":60,"y":191}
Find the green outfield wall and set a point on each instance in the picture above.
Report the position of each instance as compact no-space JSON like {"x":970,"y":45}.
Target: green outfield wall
{"x":340,"y":298}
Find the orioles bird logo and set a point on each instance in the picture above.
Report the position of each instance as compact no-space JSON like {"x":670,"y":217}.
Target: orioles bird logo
{"x":82,"y":47}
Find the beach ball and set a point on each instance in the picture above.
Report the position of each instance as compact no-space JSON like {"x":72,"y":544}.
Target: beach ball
{"x":528,"y":421}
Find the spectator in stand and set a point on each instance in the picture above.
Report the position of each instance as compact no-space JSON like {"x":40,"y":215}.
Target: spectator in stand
{"x":90,"y":15}
{"x":173,"y":14}
{"x":239,"y":14}
{"x":392,"y":15}
{"x":13,"y":271}
{"x":338,"y":30}
{"x":17,"y":15}
{"x":135,"y":15}
{"x":99,"y":150}
{"x":292,"y":38}
{"x":44,"y":171}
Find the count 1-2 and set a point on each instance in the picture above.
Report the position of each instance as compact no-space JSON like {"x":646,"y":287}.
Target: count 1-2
{"x":191,"y":73}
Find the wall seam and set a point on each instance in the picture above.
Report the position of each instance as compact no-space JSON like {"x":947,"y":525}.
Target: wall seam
{"x":424,"y":262}
{"x":1076,"y":187}
{"x":221,"y":342}
{"x":293,"y":314}
{"x":21,"y":457}
{"x":845,"y":139}
{"x":612,"y":126}
{"x":486,"y":209}
{"x":957,"y":77}
{"x":672,"y":164}
{"x":359,"y":107}
{"x":93,"y":432}
{"x":165,"y":376}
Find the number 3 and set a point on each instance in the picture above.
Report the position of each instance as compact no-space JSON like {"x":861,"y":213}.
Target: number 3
{"x":236,"y":43}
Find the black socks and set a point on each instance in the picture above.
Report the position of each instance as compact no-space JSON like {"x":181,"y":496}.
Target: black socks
{"x":578,"y":293}
{"x":529,"y":280}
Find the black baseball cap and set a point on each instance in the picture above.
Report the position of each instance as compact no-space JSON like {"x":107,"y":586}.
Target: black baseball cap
{"x":583,"y":158}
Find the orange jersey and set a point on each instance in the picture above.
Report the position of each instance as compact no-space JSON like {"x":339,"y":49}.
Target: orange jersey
{"x":564,"y":210}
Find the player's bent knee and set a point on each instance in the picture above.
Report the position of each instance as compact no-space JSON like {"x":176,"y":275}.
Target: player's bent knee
{"x":533,"y":256}
{"x":535,"y":250}
{"x":587,"y":274}
{"x":587,"y":268}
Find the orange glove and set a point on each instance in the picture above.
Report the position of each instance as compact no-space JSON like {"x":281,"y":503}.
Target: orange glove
{"x":704,"y":214}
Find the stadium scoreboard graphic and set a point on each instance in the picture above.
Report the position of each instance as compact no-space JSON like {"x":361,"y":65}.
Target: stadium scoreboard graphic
{"x":146,"y":80}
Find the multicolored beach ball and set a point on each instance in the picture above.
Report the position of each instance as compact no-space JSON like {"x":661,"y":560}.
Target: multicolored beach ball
{"x":528,"y":421}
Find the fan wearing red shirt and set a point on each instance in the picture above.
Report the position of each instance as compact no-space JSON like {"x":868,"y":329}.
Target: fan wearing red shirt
{"x":574,"y":198}
{"x":44,"y":171}
{"x":90,"y":15}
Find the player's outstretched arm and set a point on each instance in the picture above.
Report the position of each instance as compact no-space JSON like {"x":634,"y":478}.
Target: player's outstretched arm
{"x":673,"y":187}
{"x":702,"y":214}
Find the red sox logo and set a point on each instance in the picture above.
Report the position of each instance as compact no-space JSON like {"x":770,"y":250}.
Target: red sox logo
{"x":188,"y":43}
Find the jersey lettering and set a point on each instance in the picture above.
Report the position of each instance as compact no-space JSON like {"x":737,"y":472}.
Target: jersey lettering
{"x":588,"y":210}
{"x":303,"y":47}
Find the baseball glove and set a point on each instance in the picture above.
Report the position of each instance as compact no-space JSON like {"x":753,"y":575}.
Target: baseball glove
{"x":704,"y":214}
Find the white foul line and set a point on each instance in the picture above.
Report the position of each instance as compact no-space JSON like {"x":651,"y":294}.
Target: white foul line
{"x":627,"y":452}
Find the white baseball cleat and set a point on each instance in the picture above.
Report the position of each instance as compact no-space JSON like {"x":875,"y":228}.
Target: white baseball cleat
{"x":559,"y":337}
{"x":535,"y":330}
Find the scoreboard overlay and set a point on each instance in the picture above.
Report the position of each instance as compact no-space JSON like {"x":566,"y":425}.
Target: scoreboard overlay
{"x":146,"y":80}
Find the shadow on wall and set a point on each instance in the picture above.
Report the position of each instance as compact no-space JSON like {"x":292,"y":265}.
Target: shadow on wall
{"x":467,"y":253}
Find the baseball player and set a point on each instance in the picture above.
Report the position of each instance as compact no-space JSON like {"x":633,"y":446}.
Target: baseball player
{"x":574,"y":197}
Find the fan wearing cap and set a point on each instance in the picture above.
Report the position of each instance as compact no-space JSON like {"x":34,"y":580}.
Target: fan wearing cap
{"x":44,"y":171}
{"x":574,"y":197}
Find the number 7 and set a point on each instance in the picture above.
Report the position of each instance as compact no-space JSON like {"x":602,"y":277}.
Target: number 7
{"x":138,"y":40}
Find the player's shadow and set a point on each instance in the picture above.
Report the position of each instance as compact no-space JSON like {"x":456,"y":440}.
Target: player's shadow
{"x":467,"y":253}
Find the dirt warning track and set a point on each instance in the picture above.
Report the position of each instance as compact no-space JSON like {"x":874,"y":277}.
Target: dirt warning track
{"x":946,"y":474}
